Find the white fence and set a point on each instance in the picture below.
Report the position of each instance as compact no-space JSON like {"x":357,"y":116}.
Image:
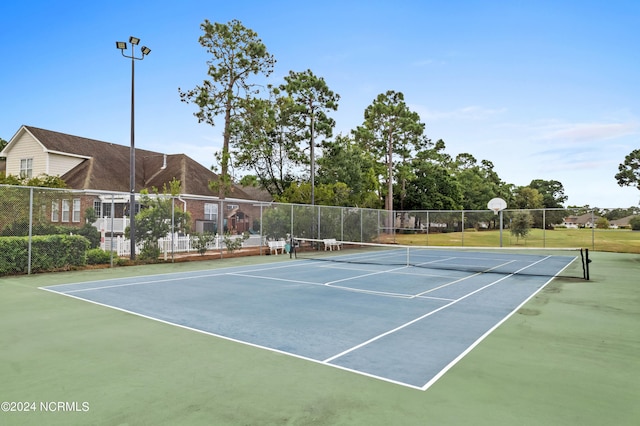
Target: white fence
{"x":116,"y":225}
{"x":172,"y":244}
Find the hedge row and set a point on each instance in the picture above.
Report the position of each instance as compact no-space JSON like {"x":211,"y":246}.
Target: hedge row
{"x":48,"y":252}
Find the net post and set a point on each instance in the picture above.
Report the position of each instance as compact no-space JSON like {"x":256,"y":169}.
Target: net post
{"x":292,"y":248}
{"x":584,"y":256}
{"x":588,"y":261}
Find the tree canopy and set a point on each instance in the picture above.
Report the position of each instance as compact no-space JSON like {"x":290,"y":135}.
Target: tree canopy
{"x":629,"y":171}
{"x":390,"y":131}
{"x":307,"y":117}
{"x":238,"y":54}
{"x":276,"y":135}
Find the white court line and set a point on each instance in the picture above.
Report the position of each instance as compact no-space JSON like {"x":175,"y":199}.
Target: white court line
{"x":464,"y":278}
{"x":259,"y":277}
{"x":351,"y":289}
{"x":136,"y":283}
{"x":352,"y":267}
{"x":428,"y":314}
{"x":329,"y":283}
{"x":218,"y":272}
{"x":241,"y":274}
{"x":404,"y":295}
{"x":374,"y":292}
{"x":231,"y":339}
{"x":324,"y":363}
{"x":381,"y":293}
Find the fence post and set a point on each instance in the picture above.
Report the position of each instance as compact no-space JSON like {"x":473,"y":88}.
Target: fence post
{"x":261,"y":234}
{"x":342,"y":223}
{"x":30,"y":230}
{"x":462,"y":229}
{"x":593,"y":230}
{"x":173,"y":244}
{"x":111,"y":213}
{"x":428,"y":226}
{"x":544,"y":227}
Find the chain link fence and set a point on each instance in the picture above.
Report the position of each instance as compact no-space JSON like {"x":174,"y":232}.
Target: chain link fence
{"x":170,"y":227}
{"x":550,"y":228}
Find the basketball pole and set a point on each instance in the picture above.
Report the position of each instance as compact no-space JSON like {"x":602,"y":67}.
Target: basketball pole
{"x":498,"y":205}
{"x":500,"y":228}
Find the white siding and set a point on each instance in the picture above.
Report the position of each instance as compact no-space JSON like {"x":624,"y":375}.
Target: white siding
{"x":61,"y":164}
{"x":43,"y":163}
{"x":26,"y":147}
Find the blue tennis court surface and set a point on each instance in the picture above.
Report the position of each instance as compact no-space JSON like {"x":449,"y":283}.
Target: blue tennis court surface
{"x":406,"y":325}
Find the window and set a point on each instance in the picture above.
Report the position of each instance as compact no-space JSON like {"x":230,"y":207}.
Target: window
{"x":76,"y":210}
{"x":97,"y":208}
{"x":66,"y":209}
{"x":26,"y":168}
{"x":232,"y":206}
{"x":210,"y":211}
{"x":107,"y":209}
{"x":55,"y":211}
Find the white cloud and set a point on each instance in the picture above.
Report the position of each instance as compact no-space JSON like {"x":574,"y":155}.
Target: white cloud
{"x":588,"y":132}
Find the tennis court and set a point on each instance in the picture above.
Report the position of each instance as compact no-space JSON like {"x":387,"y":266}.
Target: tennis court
{"x":371,"y":313}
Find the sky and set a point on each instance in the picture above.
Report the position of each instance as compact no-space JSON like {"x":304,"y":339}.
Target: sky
{"x":545,"y":89}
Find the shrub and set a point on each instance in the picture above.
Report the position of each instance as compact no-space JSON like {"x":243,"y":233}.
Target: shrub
{"x":90,"y":233}
{"x":13,"y":255}
{"x":521,"y":225}
{"x":21,"y":229}
{"x":48,"y":252}
{"x":98,"y":256}
{"x":234,"y":242}
{"x":150,"y":252}
{"x":635,"y":223}
{"x":201,"y":241}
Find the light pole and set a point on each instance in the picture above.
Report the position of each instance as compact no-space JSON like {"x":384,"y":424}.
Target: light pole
{"x":132,"y":160}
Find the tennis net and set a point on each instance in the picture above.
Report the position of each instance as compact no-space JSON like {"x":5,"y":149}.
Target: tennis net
{"x":552,"y":262}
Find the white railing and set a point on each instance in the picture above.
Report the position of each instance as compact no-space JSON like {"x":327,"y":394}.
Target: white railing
{"x":170,"y":244}
{"x":105,"y":224}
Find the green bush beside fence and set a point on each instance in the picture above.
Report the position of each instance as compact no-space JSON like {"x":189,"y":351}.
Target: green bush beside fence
{"x":48,"y":252}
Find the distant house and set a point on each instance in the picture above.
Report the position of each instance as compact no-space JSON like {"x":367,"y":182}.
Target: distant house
{"x":621,"y":223}
{"x":586,"y":220}
{"x":88,"y":164}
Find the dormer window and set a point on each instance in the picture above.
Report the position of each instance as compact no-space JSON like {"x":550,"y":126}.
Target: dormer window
{"x":26,"y":168}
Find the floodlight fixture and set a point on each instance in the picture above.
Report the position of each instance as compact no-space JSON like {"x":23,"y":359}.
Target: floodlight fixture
{"x":132,"y":157}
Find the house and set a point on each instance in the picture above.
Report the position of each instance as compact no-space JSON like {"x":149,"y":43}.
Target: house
{"x":586,"y":220}
{"x":92,"y":165}
{"x":621,"y":223}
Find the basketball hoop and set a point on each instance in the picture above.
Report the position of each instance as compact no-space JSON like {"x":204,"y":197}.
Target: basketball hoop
{"x":497,"y":205}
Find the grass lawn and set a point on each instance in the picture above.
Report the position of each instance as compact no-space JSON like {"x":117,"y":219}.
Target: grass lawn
{"x":611,"y":240}
{"x":568,"y":357}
